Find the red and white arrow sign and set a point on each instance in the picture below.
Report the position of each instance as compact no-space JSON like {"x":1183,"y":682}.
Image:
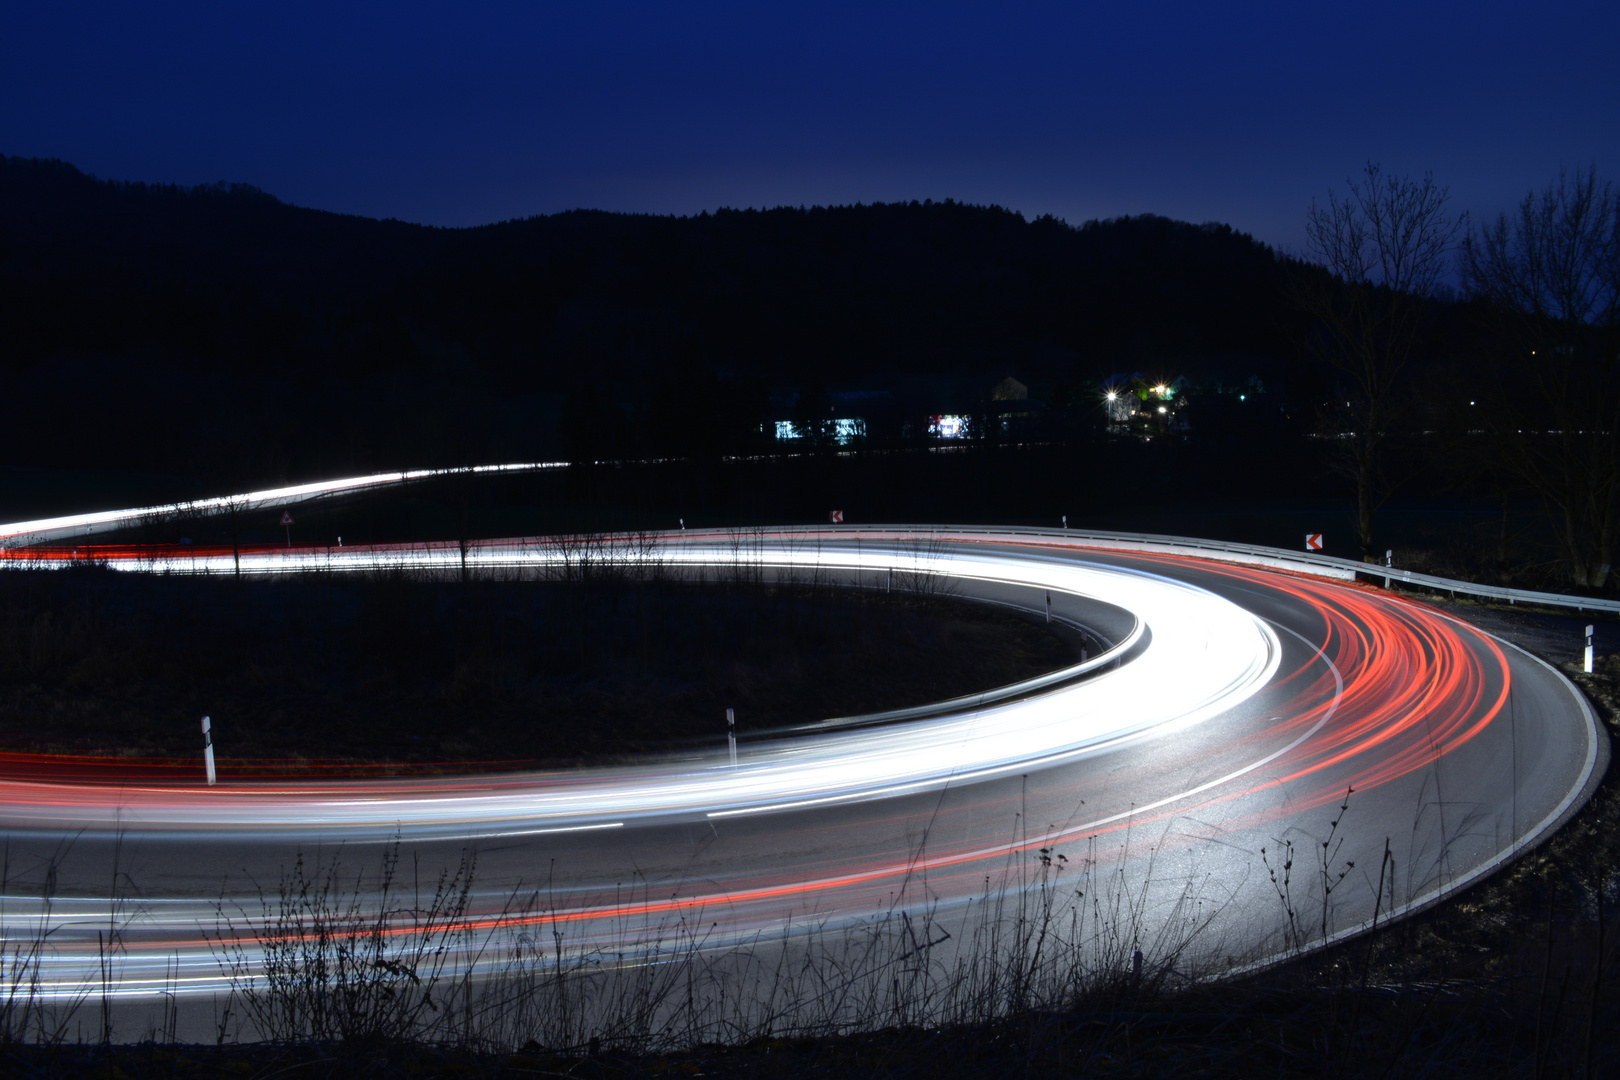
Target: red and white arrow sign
{"x":1313,"y":541}
{"x":837,"y":517}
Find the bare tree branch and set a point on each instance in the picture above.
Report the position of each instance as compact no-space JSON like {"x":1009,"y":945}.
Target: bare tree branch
{"x":1385,"y":247}
{"x":1552,"y":273}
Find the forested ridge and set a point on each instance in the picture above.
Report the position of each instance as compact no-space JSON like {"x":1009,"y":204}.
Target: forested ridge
{"x":145,"y":322}
{"x":221,"y":337}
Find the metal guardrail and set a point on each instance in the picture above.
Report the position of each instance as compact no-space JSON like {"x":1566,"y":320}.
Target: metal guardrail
{"x":1374,"y":574}
{"x":1307,"y":561}
{"x":28,"y":533}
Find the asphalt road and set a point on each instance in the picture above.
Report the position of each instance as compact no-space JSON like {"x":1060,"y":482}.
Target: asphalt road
{"x":1385,"y":751}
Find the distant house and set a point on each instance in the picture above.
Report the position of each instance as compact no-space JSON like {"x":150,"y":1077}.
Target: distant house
{"x":841,"y":417}
{"x":1120,"y":396}
{"x":1005,"y":407}
{"x":1009,"y":389}
{"x":1136,"y":402}
{"x":1011,"y":406}
{"x":908,"y":407}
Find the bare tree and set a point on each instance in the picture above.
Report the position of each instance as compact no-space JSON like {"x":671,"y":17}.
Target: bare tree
{"x":1386,"y":246}
{"x":1552,"y":274}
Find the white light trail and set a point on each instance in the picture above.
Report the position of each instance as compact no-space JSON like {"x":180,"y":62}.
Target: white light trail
{"x":1197,"y":655}
{"x":45,"y":530}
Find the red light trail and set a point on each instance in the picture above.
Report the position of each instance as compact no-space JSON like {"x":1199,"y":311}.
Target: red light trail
{"x":1249,"y":701}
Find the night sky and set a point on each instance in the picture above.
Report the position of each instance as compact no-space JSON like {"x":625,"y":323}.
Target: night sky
{"x":463,"y":114}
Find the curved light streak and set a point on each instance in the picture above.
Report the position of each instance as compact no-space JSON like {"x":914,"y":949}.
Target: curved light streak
{"x":65,"y":526}
{"x":1383,"y":688}
{"x":1195,"y":656}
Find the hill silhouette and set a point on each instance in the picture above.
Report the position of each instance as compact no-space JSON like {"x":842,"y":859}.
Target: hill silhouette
{"x":218,"y":332}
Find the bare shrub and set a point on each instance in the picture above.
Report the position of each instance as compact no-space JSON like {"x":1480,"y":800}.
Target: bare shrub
{"x":29,"y":1011}
{"x":1047,"y":933}
{"x":352,"y":963}
{"x":920,"y":573}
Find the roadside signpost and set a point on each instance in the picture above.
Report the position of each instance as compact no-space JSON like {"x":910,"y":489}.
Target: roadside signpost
{"x":286,"y":522}
{"x":731,"y":734}
{"x":1589,"y":648}
{"x":208,"y":750}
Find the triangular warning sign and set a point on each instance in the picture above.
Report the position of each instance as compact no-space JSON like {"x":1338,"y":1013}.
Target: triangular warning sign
{"x":286,"y":517}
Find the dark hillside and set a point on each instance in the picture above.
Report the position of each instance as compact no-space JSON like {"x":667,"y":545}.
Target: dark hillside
{"x":216,"y":332}
{"x":840,"y":293}
{"x":60,"y":222}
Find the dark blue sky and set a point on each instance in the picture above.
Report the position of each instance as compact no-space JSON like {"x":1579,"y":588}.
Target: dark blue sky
{"x":466,"y":114}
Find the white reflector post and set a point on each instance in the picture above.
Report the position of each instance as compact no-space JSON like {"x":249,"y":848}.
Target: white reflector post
{"x":208,"y":750}
{"x":1589,"y":648}
{"x":731,"y":735}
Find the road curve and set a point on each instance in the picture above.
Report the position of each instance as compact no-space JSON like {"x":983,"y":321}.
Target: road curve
{"x":1238,"y":713}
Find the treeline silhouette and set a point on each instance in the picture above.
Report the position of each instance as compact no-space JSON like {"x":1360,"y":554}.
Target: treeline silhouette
{"x":223,"y":339}
{"x":219,"y":333}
